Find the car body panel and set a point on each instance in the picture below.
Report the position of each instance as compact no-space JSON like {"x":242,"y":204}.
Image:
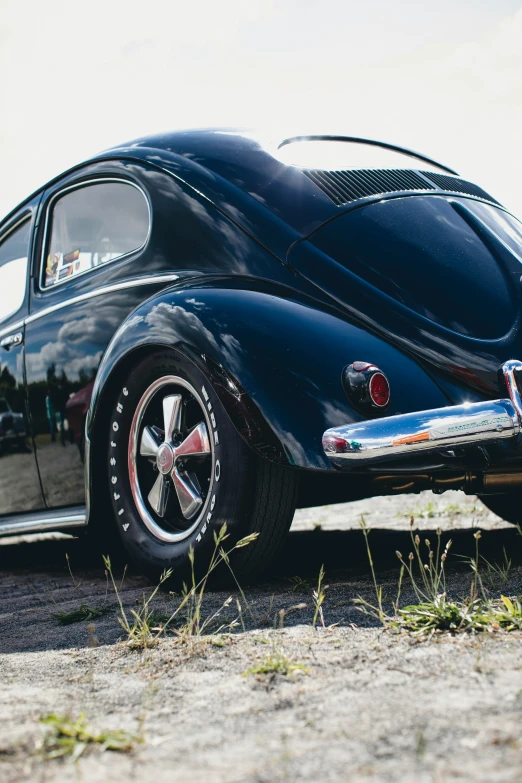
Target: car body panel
{"x":388,"y":298}
{"x":274,"y":357}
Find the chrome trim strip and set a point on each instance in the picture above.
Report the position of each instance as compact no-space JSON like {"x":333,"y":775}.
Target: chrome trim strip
{"x":43,"y":521}
{"x":76,"y":186}
{"x":133,"y":283}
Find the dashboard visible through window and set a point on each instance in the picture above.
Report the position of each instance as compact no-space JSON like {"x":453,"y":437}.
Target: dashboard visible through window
{"x":91,"y":226}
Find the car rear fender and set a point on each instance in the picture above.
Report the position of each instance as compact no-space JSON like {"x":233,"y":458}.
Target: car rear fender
{"x":274,"y":360}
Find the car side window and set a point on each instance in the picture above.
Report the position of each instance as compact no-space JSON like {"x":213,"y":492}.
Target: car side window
{"x":13,"y":269}
{"x":92,"y":225}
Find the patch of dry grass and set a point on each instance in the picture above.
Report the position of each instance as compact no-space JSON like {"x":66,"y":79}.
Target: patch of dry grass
{"x":277,"y":662}
{"x":80,"y":614}
{"x":68,"y":737}
{"x":435,"y":611}
{"x":145,"y":626}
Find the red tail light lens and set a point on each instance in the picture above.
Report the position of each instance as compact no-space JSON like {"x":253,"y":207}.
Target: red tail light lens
{"x":379,"y":389}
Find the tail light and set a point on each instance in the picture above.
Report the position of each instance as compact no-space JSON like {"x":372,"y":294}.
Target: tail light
{"x":379,"y":389}
{"x":366,"y":386}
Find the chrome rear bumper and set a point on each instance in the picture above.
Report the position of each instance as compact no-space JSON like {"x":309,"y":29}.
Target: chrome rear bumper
{"x":446,"y":428}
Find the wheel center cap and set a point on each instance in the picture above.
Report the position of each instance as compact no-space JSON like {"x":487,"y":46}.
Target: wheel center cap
{"x":165,"y":459}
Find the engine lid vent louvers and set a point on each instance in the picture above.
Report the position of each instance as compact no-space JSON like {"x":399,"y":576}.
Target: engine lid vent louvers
{"x":458,"y":186}
{"x":345,"y":186}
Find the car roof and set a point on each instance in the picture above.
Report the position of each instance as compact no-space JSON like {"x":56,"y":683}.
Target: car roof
{"x":209,"y":144}
{"x":247,"y":159}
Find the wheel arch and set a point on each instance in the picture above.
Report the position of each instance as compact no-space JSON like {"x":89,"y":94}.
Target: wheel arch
{"x":274,"y":359}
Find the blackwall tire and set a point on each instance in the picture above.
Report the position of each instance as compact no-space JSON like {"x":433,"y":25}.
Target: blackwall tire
{"x":170,"y":492}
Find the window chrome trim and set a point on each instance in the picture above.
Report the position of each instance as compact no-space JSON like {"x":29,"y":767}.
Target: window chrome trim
{"x":107,"y":289}
{"x":132,"y":283}
{"x":48,"y":209}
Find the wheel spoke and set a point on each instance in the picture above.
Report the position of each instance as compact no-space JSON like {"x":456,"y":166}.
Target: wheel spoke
{"x":197,"y":444}
{"x":189,"y":495}
{"x":149,"y":445}
{"x":158,"y":496}
{"x":172,"y":415}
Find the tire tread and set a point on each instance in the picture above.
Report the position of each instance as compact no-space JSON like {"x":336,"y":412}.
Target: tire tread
{"x":274,"y":501}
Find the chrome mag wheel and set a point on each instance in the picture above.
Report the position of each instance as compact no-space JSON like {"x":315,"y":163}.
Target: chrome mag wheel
{"x":171,"y":458}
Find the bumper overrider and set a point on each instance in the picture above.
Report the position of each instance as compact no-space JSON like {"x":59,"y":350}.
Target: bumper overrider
{"x":410,"y":434}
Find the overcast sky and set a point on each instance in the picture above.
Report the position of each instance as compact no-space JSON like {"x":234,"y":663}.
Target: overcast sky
{"x":441,"y":77}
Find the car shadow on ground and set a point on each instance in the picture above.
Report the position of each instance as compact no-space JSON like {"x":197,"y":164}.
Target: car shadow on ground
{"x":36,"y":583}
{"x":304,"y":551}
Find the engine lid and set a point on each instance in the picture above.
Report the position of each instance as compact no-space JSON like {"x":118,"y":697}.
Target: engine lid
{"x":439,"y":274}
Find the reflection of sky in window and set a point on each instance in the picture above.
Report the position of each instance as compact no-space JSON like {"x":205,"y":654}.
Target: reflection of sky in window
{"x":12,"y":286}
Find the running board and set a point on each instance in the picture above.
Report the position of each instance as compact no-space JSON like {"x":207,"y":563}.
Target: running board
{"x":44,"y":521}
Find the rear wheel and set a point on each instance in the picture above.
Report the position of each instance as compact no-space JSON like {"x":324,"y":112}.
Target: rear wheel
{"x":507,"y":506}
{"x":178,"y":471}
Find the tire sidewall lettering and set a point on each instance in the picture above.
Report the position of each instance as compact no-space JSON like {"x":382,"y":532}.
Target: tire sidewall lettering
{"x":124,"y":519}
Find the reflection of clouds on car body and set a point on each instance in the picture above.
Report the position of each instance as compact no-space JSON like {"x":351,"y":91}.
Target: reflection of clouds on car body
{"x":195,"y":303}
{"x":174,"y":323}
{"x":64,"y":357}
{"x":89,"y":328}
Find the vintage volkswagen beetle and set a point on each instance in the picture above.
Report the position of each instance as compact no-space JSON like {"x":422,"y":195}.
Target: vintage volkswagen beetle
{"x":208,"y":326}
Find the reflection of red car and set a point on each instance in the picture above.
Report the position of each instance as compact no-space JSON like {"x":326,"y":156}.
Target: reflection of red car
{"x":76,"y":409}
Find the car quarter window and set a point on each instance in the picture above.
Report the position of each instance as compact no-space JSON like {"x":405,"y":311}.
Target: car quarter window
{"x":92,"y":225}
{"x":13,"y":269}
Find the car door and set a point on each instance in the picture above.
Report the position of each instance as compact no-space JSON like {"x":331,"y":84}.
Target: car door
{"x":95,"y":265}
{"x":20,"y":489}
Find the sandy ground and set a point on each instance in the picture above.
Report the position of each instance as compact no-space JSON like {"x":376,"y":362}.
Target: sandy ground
{"x":371,"y":706}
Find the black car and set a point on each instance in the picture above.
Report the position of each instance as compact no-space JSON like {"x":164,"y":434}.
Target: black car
{"x":209,"y":326}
